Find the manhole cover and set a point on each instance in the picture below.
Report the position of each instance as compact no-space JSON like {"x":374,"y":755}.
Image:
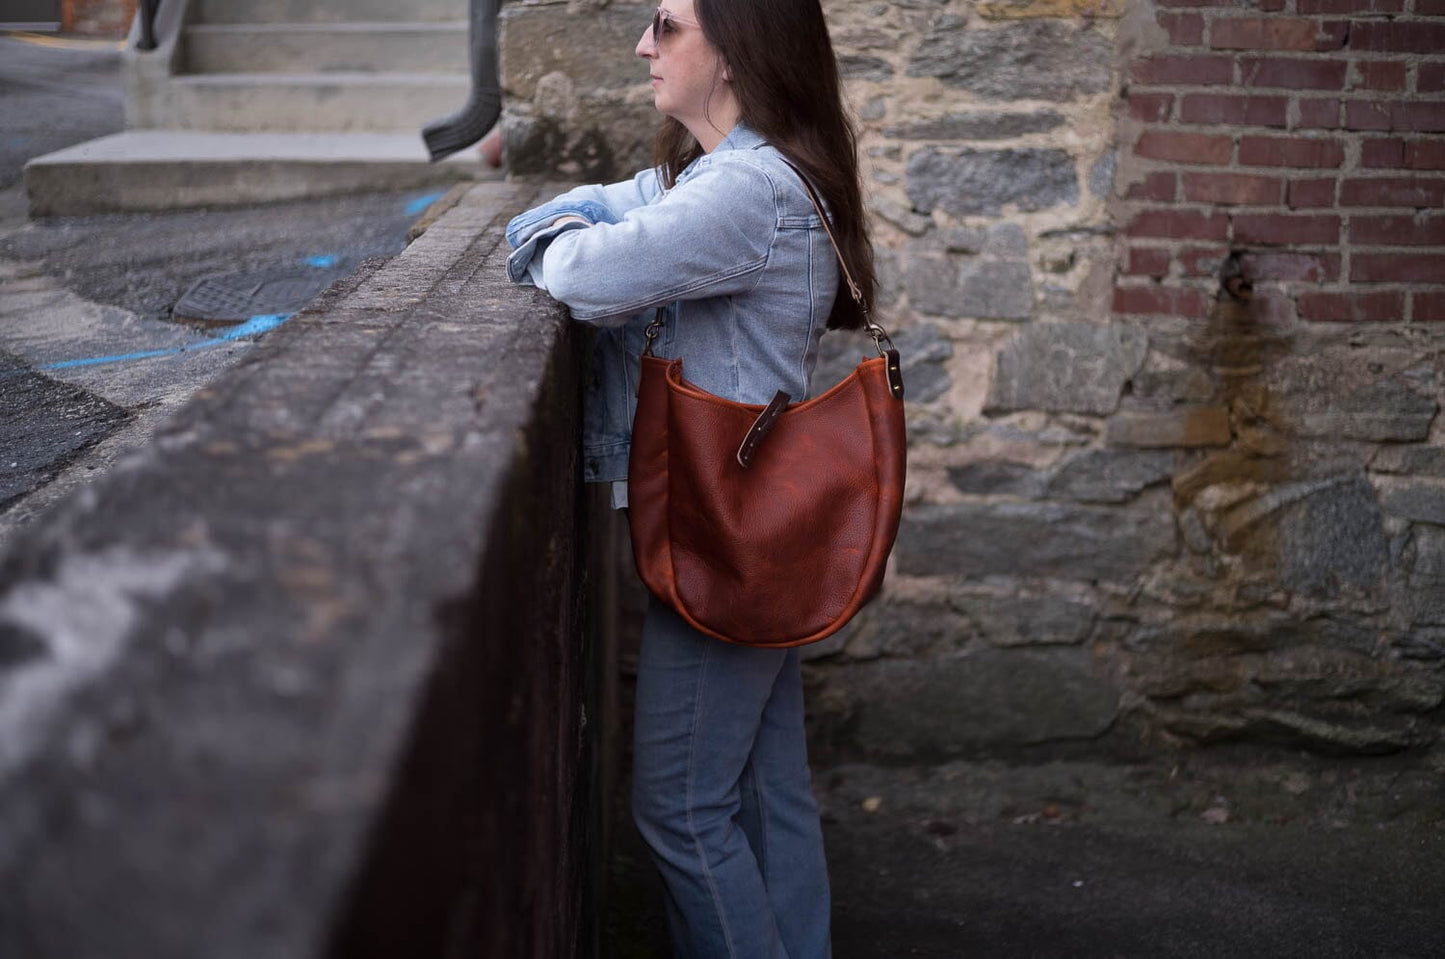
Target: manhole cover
{"x":236,"y":297}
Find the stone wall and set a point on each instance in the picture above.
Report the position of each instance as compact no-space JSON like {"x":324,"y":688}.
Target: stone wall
{"x":1144,"y":511}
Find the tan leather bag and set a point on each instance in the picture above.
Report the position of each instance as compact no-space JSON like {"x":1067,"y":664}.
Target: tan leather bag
{"x":767,"y":525}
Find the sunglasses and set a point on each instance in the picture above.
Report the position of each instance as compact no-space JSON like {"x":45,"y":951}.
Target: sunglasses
{"x":663,"y":22}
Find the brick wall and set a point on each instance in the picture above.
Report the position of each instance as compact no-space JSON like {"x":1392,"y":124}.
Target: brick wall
{"x":97,"y":18}
{"x":1307,"y":136}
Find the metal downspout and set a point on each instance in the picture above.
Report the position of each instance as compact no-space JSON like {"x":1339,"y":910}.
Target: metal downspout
{"x":148,"y":10}
{"x":467,"y":126}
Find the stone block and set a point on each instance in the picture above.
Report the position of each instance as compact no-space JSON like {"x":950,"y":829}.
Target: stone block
{"x":535,"y":41}
{"x":990,"y":699}
{"x":973,"y":182}
{"x":998,"y":478}
{"x":1026,"y":620}
{"x":896,"y":214}
{"x":1410,"y":460}
{"x":977,"y":126}
{"x":1026,"y":9}
{"x":1109,"y":476}
{"x":1187,"y":426}
{"x":1058,"y":540}
{"x":905,"y":630}
{"x":1066,"y":368}
{"x":1101,"y":174}
{"x":983,"y":288}
{"x":1427,"y":575}
{"x":1387,"y":410}
{"x":1421,"y":500}
{"x":856,"y":67}
{"x":1168,"y":384}
{"x":1038,"y":60}
{"x":1332,"y":538}
{"x":600,"y":141}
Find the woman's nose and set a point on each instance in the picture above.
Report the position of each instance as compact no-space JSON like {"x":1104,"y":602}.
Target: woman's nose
{"x":645,"y":47}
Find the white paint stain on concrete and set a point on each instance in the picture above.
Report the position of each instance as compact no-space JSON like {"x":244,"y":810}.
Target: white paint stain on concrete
{"x":84,"y":615}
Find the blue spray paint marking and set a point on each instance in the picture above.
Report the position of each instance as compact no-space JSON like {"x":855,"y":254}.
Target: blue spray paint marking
{"x":254,"y":326}
{"x":328,"y":259}
{"x":415,"y":207}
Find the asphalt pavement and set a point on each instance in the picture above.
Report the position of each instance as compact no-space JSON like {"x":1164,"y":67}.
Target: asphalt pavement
{"x":92,"y":353}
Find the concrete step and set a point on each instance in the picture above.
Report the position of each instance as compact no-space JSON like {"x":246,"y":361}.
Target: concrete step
{"x":295,"y":103}
{"x":163,"y":169}
{"x":324,"y":11}
{"x":376,"y":47}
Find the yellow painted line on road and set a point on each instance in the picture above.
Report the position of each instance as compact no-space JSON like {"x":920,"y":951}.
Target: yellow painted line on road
{"x":62,"y":43}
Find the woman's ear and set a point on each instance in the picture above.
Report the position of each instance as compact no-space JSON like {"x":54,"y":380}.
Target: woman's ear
{"x":727,"y":73}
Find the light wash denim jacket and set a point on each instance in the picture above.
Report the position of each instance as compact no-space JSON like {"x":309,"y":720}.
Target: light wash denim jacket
{"x":736,"y":253}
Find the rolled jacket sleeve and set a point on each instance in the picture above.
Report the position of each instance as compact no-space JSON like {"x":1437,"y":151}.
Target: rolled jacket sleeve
{"x":709,"y":236}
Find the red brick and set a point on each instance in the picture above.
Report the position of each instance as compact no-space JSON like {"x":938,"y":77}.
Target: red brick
{"x":1382,"y":154}
{"x":1297,"y":152}
{"x":1420,"y":116}
{"x":1180,"y":224}
{"x":1400,"y":230}
{"x":1271,"y":229}
{"x":1430,"y":8}
{"x":1291,"y":267}
{"x":1179,"y":147}
{"x":1427,"y":307}
{"x":1378,"y":75}
{"x":1292,"y":74}
{"x":1150,"y":107}
{"x":1416,"y":115}
{"x":1202,"y":260}
{"x":1397,"y":36}
{"x":1310,"y":193}
{"x":1190,"y":70}
{"x":1425,"y":155}
{"x":1322,"y":114}
{"x":1232,"y":189}
{"x":1393,"y":191}
{"x":1368,"y":115}
{"x":1185,"y":29}
{"x":1397,"y":268}
{"x":1214,"y":108}
{"x":1337,"y":7}
{"x":1154,"y":186}
{"x":1373,"y":306}
{"x":1166,"y":300}
{"x":1276,"y":33}
{"x":1147,"y":261}
{"x":1430,"y":78}
{"x":97,"y":18}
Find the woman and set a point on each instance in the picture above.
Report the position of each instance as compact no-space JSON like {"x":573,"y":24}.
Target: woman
{"x":723,"y":236}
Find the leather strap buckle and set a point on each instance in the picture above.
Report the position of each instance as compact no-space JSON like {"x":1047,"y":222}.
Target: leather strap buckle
{"x":761,"y":426}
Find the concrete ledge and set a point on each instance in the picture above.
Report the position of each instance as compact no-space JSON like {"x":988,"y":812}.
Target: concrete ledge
{"x":307,"y":676}
{"x":141,"y":170}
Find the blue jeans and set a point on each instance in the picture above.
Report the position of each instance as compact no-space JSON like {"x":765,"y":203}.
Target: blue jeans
{"x":722,"y":795}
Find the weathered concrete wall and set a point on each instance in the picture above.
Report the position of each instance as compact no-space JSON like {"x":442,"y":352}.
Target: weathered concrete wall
{"x":1142,"y":512}
{"x":308,"y":675}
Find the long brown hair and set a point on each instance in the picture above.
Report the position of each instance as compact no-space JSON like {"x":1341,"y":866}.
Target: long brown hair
{"x":785,"y":77}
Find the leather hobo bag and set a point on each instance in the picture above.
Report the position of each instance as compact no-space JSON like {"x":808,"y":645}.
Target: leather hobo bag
{"x":767,"y":525}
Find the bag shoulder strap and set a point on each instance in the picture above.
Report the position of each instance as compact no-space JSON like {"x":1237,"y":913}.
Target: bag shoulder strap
{"x":842,"y":265}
